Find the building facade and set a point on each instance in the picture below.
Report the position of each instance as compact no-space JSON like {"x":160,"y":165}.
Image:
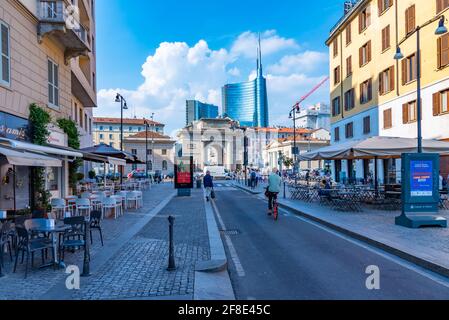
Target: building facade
{"x":247,"y":102}
{"x":160,"y":154}
{"x":44,"y":61}
{"x":196,"y":110}
{"x":372,"y":93}
{"x":108,"y":130}
{"x":284,"y":148}
{"x":315,"y":117}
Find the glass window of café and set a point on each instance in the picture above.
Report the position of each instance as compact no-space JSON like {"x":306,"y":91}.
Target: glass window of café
{"x":54,"y":181}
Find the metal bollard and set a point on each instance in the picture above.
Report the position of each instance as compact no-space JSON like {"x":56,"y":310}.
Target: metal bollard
{"x":86,"y":262}
{"x":171,"y":258}
{"x":284,"y":190}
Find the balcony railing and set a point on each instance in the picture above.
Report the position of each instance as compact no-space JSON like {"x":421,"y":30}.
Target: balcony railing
{"x":54,"y":12}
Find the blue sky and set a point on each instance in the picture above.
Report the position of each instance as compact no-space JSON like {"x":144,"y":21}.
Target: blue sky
{"x":130,"y":32}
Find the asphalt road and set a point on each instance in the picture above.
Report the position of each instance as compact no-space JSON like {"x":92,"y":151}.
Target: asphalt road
{"x":293,"y":259}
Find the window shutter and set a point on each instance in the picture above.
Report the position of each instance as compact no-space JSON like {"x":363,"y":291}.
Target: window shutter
{"x":391,"y":3}
{"x":404,"y":71}
{"x":407,"y":20}
{"x":387,"y":37}
{"x":436,"y":104}
{"x":360,"y":22}
{"x":444,"y":53}
{"x":405,"y":113}
{"x":370,"y":90}
{"x":439,"y":40}
{"x":381,"y":83}
{"x":361,"y":93}
{"x":368,"y":16}
{"x":392,"y":78}
{"x":412,"y":18}
{"x":361,"y":56}
{"x":368,"y":48}
{"x":439,"y":6}
{"x":379,"y":5}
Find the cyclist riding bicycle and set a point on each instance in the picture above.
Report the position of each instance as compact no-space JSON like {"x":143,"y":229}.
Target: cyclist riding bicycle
{"x":273,"y":189}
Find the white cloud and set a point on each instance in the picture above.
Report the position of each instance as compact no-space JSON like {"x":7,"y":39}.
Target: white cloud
{"x":271,"y":42}
{"x":307,"y":61}
{"x":177,"y":72}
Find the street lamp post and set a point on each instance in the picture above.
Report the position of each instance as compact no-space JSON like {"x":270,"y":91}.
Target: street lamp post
{"x":399,"y":56}
{"x":123,"y":106}
{"x":152,"y":140}
{"x":295,"y":149}
{"x":146,"y":146}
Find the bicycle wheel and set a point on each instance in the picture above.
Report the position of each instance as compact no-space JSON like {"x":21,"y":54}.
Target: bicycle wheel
{"x":275,"y":212}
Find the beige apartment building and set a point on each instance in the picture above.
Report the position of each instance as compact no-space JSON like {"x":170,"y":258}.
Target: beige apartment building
{"x":371,"y":93}
{"x":108,"y":130}
{"x":47,"y":58}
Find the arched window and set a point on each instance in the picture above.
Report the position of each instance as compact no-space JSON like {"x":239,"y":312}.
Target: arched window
{"x":164,"y":165}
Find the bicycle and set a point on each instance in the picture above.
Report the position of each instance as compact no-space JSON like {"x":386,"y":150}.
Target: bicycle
{"x":275,"y":204}
{"x":275,"y":209}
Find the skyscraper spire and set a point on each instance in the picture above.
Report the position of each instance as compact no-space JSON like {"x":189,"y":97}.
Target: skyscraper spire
{"x":259,"y":59}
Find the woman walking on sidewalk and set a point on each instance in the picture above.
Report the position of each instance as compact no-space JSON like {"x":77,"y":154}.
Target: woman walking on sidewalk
{"x":208,"y":184}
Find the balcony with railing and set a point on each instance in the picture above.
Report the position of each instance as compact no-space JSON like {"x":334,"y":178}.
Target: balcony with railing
{"x":58,"y":23}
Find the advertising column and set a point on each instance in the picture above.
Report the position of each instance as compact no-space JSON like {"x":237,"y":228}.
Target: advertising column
{"x":184,"y":176}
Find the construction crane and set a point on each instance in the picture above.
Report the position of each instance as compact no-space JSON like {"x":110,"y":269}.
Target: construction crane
{"x":304,"y":98}
{"x":296,"y":108}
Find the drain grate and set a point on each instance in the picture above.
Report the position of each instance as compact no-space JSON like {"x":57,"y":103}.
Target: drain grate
{"x":230,"y":232}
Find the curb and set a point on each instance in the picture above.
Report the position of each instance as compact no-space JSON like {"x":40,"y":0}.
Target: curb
{"x":213,"y":281}
{"x":246,"y":189}
{"x":431,"y":266}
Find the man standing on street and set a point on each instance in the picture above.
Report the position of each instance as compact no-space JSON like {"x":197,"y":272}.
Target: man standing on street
{"x":208,"y":184}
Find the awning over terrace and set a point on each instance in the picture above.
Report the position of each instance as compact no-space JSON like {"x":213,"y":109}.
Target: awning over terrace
{"x":375,"y":147}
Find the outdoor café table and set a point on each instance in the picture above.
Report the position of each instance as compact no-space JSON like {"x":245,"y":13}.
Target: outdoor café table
{"x":45,"y":226}
{"x":349,"y":198}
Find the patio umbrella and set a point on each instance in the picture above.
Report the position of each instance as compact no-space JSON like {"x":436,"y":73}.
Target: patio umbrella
{"x":108,"y":151}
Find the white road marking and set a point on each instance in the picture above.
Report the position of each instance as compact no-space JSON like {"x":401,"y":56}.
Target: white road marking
{"x":232,"y":251}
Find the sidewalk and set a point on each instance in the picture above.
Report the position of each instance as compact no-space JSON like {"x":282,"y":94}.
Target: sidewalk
{"x":41,"y":284}
{"x":428,"y":248}
{"x":139,"y":269}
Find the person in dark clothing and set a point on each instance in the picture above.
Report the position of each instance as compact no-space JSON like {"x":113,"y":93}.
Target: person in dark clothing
{"x":208,"y":181}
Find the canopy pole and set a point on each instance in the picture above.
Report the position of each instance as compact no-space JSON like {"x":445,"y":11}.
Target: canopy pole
{"x":376,"y":178}
{"x":104,"y":176}
{"x":14,"y":187}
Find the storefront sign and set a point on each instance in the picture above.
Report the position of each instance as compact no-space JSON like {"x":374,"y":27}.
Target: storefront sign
{"x":57,"y":137}
{"x":184,"y":173}
{"x":13,"y":127}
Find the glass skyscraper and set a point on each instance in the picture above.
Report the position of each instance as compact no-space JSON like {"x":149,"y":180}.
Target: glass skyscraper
{"x":196,"y":110}
{"x":247,"y":102}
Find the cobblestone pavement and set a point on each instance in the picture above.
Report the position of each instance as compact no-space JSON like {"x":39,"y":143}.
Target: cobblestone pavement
{"x":39,"y":281}
{"x":138,"y":270}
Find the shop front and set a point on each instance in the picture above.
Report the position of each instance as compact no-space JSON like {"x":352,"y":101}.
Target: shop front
{"x":18,"y":155}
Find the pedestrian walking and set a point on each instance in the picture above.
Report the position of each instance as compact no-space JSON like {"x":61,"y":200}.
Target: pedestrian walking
{"x":208,"y":182}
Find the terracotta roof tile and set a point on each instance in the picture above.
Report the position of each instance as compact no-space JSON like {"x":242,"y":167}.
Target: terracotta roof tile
{"x":125,"y":121}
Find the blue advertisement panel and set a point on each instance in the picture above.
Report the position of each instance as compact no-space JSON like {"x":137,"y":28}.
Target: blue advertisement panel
{"x":421,"y":175}
{"x":13,"y":127}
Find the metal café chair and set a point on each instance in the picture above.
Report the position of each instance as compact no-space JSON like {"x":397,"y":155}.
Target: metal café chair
{"x":119,"y":202}
{"x":124,"y":195}
{"x":83,"y":207}
{"x":110,"y":204}
{"x":59,"y":207}
{"x":86,"y":195}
